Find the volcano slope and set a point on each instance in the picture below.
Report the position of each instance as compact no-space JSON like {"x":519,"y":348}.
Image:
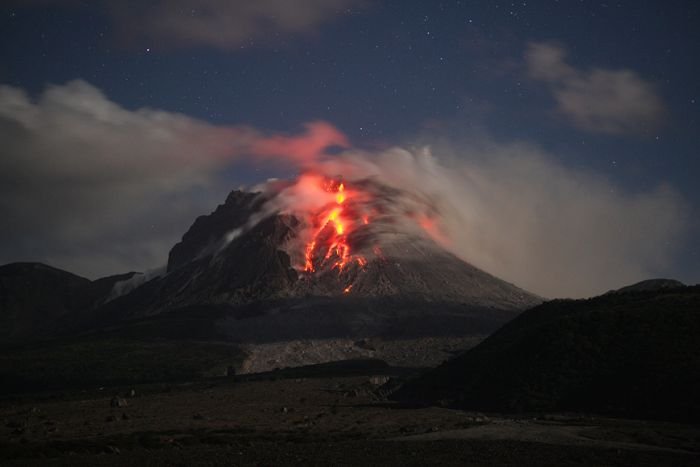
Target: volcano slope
{"x":354,"y":276}
{"x":631,"y":353}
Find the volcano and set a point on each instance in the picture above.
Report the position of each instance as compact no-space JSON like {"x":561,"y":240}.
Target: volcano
{"x":312,"y":270}
{"x":321,"y":266}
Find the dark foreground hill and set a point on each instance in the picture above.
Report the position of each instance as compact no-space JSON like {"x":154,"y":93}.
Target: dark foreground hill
{"x":35,"y":298}
{"x":634,"y":354}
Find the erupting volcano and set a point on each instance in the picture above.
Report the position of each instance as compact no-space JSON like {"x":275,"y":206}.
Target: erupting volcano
{"x":345,"y":230}
{"x":330,"y":236}
{"x":321,"y":257}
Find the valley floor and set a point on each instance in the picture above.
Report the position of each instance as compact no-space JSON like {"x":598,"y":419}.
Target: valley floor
{"x":312,"y":421}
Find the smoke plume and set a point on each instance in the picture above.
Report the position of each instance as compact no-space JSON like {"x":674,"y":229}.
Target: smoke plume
{"x":92,"y":187}
{"x":515,"y":212}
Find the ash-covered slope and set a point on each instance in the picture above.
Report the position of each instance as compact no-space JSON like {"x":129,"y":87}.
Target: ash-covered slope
{"x":415,"y":268}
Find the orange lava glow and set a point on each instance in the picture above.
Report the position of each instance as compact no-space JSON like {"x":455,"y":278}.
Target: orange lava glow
{"x":331,"y":229}
{"x":431,"y":227}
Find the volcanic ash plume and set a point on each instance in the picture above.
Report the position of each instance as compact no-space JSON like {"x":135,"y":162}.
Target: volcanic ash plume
{"x":508,"y":209}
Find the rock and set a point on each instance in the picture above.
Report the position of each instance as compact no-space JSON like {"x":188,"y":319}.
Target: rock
{"x":112,"y":450}
{"x":118,"y":402}
{"x":34,"y":297}
{"x":210,"y":229}
{"x":365,"y":344}
{"x":378,"y":380}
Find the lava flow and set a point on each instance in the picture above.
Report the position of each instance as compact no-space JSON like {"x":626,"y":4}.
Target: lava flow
{"x":329,"y":242}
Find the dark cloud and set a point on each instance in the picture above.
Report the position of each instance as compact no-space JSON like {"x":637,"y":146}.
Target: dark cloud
{"x":599,"y":100}
{"x":225,"y":24}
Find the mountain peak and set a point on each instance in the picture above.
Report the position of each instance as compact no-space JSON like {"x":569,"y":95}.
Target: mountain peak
{"x":208,"y":230}
{"x":324,"y":237}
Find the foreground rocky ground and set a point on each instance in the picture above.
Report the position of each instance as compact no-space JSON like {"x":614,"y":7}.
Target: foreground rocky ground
{"x":312,"y":421}
{"x":426,"y":352}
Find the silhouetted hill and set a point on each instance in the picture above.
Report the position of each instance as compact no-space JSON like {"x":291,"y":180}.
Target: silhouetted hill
{"x":635,"y":354}
{"x":37,"y":300}
{"x":650,"y":285}
{"x":34,"y":295}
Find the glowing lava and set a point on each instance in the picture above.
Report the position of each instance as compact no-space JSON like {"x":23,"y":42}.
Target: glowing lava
{"x":331,"y":229}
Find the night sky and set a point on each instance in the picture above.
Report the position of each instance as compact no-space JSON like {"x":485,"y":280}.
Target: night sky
{"x":605,"y":93}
